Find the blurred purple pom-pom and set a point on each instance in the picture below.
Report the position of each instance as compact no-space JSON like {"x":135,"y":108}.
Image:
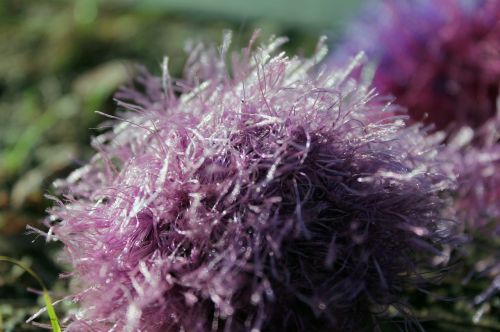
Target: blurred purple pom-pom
{"x":440,"y":59}
{"x":267,"y":199}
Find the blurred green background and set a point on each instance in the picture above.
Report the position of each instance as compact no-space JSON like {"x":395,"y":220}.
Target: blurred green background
{"x":60,"y":61}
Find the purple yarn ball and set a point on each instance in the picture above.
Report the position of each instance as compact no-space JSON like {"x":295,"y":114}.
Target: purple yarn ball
{"x":260,"y":197}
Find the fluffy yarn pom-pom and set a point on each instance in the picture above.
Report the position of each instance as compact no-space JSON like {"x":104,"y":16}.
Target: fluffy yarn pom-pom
{"x":440,"y":59}
{"x":262,"y":200}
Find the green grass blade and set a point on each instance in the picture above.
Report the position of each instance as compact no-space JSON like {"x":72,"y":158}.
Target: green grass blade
{"x":51,"y":312}
{"x":54,"y":321}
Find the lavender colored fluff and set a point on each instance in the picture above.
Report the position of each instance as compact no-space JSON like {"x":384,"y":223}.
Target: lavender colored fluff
{"x":264,"y":200}
{"x":439,"y":58}
{"x":475,"y":157}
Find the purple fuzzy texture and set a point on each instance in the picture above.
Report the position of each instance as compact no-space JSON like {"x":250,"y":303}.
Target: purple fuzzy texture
{"x":475,"y":157}
{"x":268,"y":199}
{"x":439,"y":58}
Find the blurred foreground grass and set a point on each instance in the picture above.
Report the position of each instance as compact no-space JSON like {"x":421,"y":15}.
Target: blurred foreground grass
{"x":59,"y":62}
